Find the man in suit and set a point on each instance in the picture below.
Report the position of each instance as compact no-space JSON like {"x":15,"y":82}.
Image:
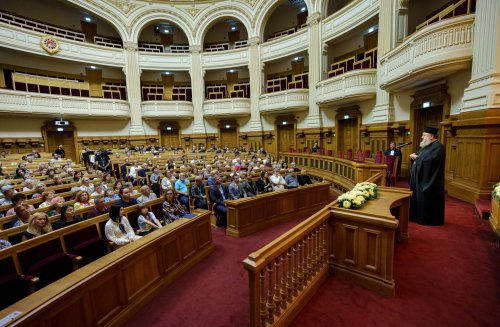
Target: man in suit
{"x":198,"y":193}
{"x":218,"y":194}
{"x":234,"y":188}
{"x":394,"y":151}
{"x":247,"y":189}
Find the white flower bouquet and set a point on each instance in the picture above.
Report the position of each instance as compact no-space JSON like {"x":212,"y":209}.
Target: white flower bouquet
{"x":495,"y":194}
{"x":356,"y":198}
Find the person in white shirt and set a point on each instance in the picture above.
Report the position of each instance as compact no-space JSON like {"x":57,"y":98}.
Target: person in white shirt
{"x":277,"y":181}
{"x":118,"y":229}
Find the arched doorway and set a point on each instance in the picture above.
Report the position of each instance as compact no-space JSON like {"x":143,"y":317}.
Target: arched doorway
{"x":65,"y":135}
{"x":169,"y":134}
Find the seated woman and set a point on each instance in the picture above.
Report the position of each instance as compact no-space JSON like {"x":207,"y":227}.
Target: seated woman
{"x":263,"y":184}
{"x":68,"y":217}
{"x":98,"y":190}
{"x":118,"y":186}
{"x":56,"y":204}
{"x":47,"y":196}
{"x":146,"y":220}
{"x":118,"y":229}
{"x":38,"y":224}
{"x":83,"y":200}
{"x":172,"y":208}
{"x":17,"y":199}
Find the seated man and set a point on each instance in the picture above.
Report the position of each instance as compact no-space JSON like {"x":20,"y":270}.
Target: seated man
{"x":291,"y":179}
{"x":218,"y":194}
{"x":182,"y":189}
{"x":100,"y":207}
{"x":303,"y":178}
{"x":198,"y":193}
{"x":146,"y":195}
{"x":234,"y":188}
{"x":246,"y":186}
{"x":277,"y":181}
{"x":126,"y":200}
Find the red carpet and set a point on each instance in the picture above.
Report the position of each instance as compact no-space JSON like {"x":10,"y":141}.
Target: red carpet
{"x":445,"y":276}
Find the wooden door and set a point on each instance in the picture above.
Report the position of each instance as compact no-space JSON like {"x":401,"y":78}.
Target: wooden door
{"x":286,"y":138}
{"x":348,"y":134}
{"x":422,"y":118}
{"x":229,"y":137}
{"x":66,"y":139}
{"x":169,"y":138}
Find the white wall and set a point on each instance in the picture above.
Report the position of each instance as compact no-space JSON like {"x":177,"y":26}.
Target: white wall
{"x":457,"y":83}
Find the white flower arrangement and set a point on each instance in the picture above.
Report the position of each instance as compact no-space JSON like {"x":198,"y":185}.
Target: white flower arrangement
{"x":495,"y":194}
{"x":357,"y":197}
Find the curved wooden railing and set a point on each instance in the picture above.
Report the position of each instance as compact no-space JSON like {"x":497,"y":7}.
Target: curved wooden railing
{"x":461,"y":7}
{"x":342,"y":173}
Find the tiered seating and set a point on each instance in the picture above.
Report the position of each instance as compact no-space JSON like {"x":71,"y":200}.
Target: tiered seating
{"x":13,"y":285}
{"x":114,"y":90}
{"x":179,"y":48}
{"x":182,"y":93}
{"x":150,"y":47}
{"x":277,"y":84}
{"x":152,"y":92}
{"x":241,"y":90}
{"x":41,"y":27}
{"x":241,"y":44}
{"x":300,"y":81}
{"x":107,"y":42}
{"x":363,"y":60}
{"x":216,"y":91}
{"x":216,"y":47}
{"x":461,"y":7}
{"x":49,"y":85}
{"x":282,"y":33}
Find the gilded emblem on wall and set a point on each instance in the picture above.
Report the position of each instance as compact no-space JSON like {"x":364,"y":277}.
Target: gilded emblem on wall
{"x":49,"y":44}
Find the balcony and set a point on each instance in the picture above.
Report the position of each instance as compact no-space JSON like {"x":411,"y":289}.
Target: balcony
{"x":224,"y":59}
{"x":24,"y":103}
{"x":348,"y":18}
{"x":21,"y":39}
{"x":284,"y":101}
{"x":284,"y":46}
{"x":229,"y":107}
{"x":433,"y":52}
{"x":167,"y":109}
{"x":354,"y":86}
{"x":162,"y":61}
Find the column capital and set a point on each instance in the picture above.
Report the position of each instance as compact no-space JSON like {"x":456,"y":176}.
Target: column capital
{"x":195,"y":48}
{"x":254,"y":41}
{"x":130,"y":46}
{"x":314,"y":18}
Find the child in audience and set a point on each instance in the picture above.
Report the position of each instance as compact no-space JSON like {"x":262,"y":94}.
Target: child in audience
{"x":147,"y":220}
{"x":38,"y":224}
{"x":118,"y":229}
{"x":110,"y":195}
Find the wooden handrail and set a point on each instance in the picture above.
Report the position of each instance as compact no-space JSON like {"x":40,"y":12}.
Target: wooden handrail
{"x":451,"y":8}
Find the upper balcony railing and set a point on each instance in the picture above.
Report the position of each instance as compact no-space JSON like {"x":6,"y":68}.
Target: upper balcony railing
{"x":15,"y":102}
{"x":462,"y":7}
{"x":287,"y":82}
{"x":435,"y":51}
{"x":363,"y":60}
{"x":285,"y":45}
{"x":225,"y":108}
{"x":41,"y":27}
{"x":284,"y":101}
{"x":354,"y":86}
{"x":167,"y":109}
{"x":108,"y":42}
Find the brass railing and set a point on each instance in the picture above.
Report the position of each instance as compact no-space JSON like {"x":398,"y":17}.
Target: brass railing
{"x":450,"y":12}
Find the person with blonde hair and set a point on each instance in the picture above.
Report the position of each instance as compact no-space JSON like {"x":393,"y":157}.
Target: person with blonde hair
{"x":38,"y":224}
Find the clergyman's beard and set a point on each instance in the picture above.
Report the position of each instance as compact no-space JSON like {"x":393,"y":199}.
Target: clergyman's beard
{"x":425,"y":143}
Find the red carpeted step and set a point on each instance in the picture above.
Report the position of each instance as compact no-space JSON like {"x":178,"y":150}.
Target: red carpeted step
{"x":483,"y":208}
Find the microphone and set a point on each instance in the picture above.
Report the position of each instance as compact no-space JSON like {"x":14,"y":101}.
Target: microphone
{"x":404,"y":144}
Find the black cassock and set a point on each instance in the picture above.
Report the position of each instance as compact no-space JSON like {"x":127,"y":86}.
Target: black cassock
{"x":427,"y":184}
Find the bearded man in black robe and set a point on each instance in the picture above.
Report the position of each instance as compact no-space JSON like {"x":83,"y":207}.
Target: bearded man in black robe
{"x":427,"y":180}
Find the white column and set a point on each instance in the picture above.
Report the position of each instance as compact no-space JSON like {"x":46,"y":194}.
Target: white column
{"x":384,"y":109}
{"x":484,"y":88}
{"x":255,"y":83}
{"x":197,"y":85}
{"x":324,"y":63}
{"x":133,"y":80}
{"x":315,"y":53}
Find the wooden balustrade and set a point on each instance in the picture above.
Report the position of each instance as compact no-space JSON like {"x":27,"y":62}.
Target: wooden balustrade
{"x":342,"y":173}
{"x":462,"y":7}
{"x":357,"y":245}
{"x":249,"y":215}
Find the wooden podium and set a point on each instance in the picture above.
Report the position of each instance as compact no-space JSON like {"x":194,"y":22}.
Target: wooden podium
{"x":363,"y":239}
